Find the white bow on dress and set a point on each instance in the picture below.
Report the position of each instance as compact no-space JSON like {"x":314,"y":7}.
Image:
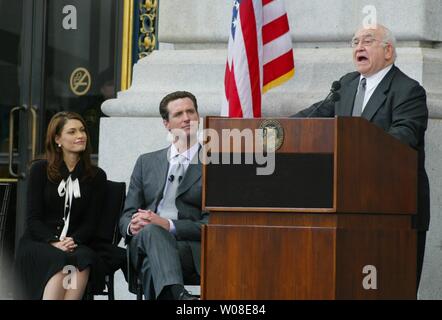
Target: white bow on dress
{"x":68,"y":189}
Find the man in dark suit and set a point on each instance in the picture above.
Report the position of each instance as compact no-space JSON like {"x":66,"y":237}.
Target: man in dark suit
{"x":162,"y":217}
{"x":381,"y":93}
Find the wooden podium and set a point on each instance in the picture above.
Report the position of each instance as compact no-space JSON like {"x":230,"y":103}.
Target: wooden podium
{"x":332,"y":222}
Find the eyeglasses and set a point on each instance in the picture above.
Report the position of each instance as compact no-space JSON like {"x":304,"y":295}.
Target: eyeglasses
{"x":366,"y":42}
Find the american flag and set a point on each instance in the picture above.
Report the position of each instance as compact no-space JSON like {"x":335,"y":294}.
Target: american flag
{"x":260,"y":55}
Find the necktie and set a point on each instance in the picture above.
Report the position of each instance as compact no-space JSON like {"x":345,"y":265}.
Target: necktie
{"x":169,"y":209}
{"x":359,"y":100}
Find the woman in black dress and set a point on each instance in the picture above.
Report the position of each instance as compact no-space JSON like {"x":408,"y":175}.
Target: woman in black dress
{"x":65,"y":197}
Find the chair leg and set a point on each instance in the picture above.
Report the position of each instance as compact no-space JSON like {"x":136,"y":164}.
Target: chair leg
{"x":139,"y":290}
{"x":110,"y":288}
{"x":89,"y":295}
{"x":138,"y":273}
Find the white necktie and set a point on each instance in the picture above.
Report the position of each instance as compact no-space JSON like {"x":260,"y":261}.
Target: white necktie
{"x":169,"y":209}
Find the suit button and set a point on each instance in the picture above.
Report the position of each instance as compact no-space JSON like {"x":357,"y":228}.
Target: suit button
{"x":58,"y":228}
{"x":56,"y":237}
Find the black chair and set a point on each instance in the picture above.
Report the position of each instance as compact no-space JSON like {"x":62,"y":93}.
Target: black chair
{"x":133,"y":280}
{"x":8,"y":195}
{"x":111,"y":257}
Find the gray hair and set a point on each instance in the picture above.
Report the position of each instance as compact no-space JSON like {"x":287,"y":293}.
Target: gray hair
{"x":391,"y":39}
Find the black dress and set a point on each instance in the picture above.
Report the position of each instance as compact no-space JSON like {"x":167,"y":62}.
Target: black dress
{"x":37,"y":260}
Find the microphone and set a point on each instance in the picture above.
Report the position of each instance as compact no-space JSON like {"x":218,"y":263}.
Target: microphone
{"x":333,"y":96}
{"x":336,"y":85}
{"x":172,"y":177}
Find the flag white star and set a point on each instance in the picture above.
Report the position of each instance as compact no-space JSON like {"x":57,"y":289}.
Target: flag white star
{"x":235,"y":23}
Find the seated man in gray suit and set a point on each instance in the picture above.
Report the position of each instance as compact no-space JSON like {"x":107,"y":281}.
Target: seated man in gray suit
{"x":162,"y":216}
{"x":379,"y":92}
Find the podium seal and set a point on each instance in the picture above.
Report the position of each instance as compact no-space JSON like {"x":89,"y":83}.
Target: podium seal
{"x":273,"y":132}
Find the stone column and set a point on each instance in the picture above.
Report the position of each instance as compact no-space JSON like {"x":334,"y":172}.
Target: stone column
{"x":193,"y":40}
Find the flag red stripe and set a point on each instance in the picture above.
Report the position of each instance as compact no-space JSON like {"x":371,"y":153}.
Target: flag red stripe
{"x":235,"y":110}
{"x":248,"y":25}
{"x":227,"y":76}
{"x":278,"y":67}
{"x":275,"y":29}
{"x":246,"y":50}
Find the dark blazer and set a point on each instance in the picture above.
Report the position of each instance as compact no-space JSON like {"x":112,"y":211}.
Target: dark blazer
{"x":46,"y":207}
{"x":36,"y":259}
{"x":146,"y":191}
{"x":399,"y":106}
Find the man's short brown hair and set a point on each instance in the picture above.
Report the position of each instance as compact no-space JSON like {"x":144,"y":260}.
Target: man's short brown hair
{"x":172,"y":97}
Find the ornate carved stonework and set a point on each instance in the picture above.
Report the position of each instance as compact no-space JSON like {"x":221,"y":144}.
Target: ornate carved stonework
{"x":147,"y":39}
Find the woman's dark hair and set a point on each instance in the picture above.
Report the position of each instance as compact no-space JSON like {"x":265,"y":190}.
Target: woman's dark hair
{"x":54,"y":154}
{"x":172,"y":97}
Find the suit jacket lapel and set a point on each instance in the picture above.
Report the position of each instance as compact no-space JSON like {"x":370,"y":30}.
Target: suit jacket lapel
{"x":348,"y":98}
{"x":193,"y":173}
{"x":162,"y":169}
{"x":378,"y":97}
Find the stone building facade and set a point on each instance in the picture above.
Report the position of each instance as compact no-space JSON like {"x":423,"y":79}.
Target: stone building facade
{"x":193,"y":40}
